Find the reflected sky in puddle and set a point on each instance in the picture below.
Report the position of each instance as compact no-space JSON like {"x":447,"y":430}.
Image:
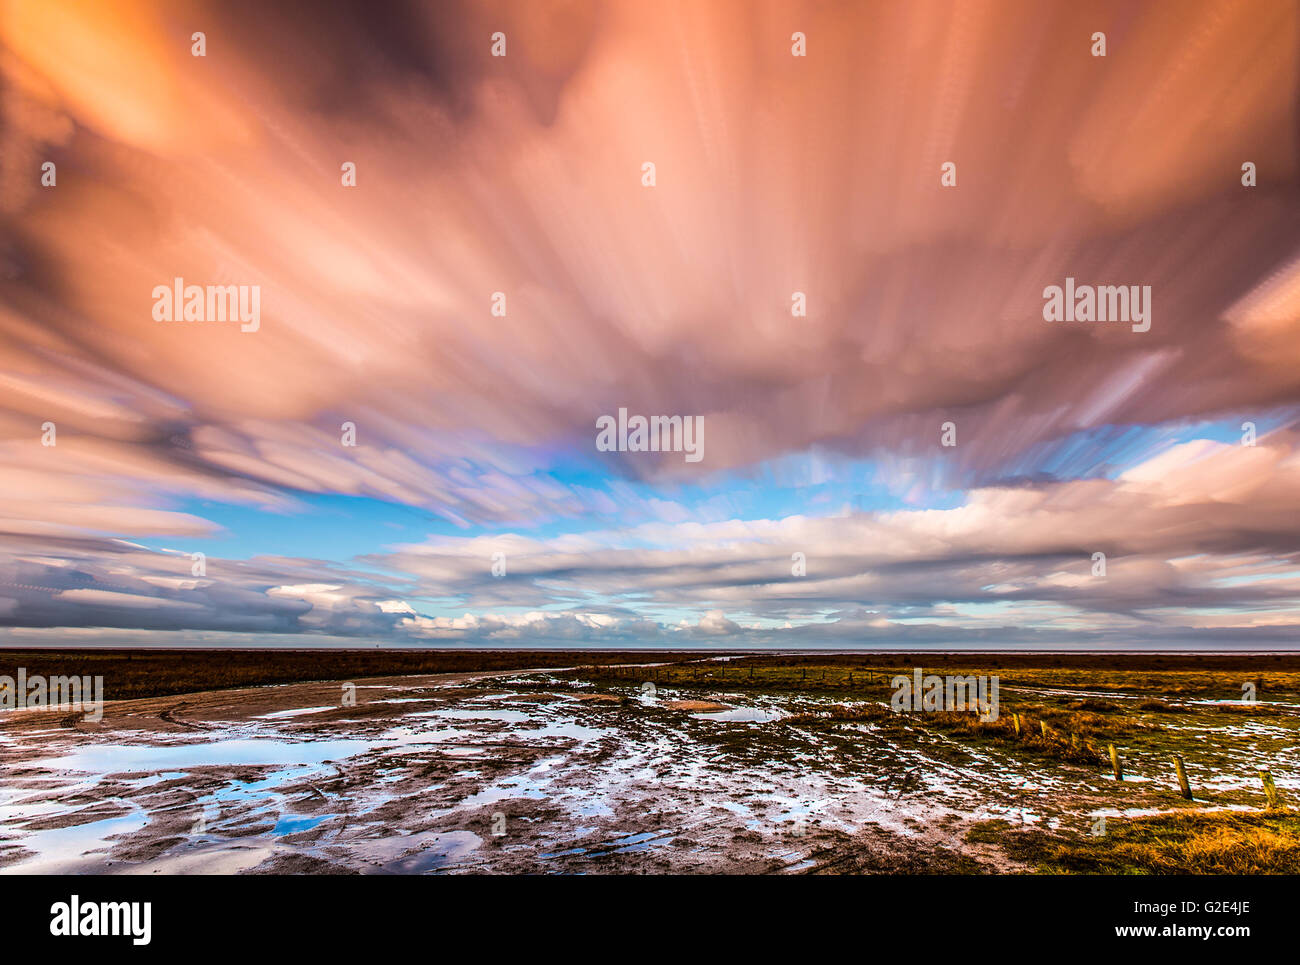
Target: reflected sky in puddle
{"x":295,"y":712}
{"x":293,"y":823}
{"x":568,"y":729}
{"x":742,"y":715}
{"x":414,"y":853}
{"x":513,"y":787}
{"x":628,"y":844}
{"x":637,"y":842}
{"x":128,"y":758}
{"x":62,"y":850}
{"x":510,"y":716}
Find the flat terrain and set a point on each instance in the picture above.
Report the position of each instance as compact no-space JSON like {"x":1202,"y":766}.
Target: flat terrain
{"x":634,"y":762}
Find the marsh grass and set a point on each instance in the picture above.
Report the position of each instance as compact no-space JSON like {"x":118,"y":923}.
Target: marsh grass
{"x":1218,"y":842}
{"x":158,"y":673}
{"x":1139,"y":704}
{"x":1070,"y":736}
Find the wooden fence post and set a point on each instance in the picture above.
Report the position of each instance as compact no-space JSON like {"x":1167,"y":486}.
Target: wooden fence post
{"x":1182,"y":777}
{"x":1114,"y":762}
{"x":1270,"y":788}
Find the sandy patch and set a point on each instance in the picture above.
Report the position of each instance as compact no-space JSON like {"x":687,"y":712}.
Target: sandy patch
{"x":696,"y":706}
{"x":220,"y":860}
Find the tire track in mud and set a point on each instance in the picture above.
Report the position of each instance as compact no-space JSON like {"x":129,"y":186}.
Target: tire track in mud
{"x":169,"y":716}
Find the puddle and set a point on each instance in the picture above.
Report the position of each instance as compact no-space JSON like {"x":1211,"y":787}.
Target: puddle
{"x":742,"y":715}
{"x":64,"y":850}
{"x":510,"y":716}
{"x":295,"y":712}
{"x":416,"y":853}
{"x":293,"y":823}
{"x":515,"y":787}
{"x":127,"y":758}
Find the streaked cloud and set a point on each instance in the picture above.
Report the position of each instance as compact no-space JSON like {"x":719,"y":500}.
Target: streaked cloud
{"x":775,"y":175}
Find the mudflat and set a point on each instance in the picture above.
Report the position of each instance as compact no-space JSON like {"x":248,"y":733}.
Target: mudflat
{"x":743,"y":764}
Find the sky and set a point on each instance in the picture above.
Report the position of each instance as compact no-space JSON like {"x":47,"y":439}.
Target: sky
{"x":837,"y":266}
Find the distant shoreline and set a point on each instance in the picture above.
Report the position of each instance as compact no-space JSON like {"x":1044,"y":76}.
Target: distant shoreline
{"x":157,"y":672}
